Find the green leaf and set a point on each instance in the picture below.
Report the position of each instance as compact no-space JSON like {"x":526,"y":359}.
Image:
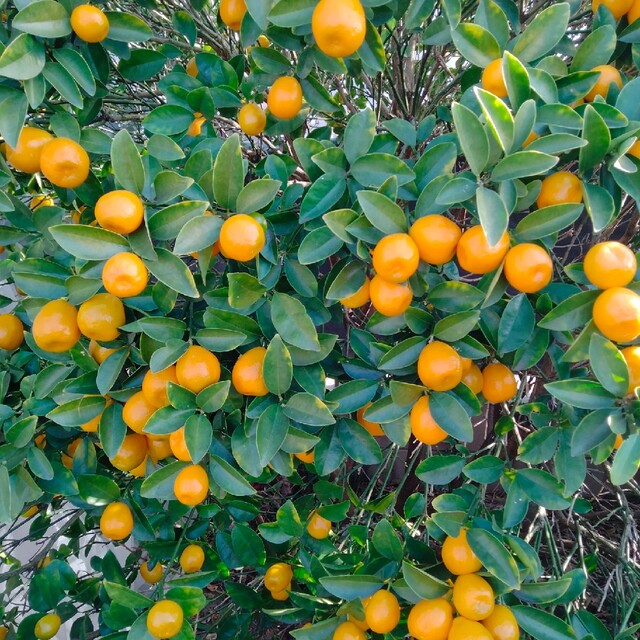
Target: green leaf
{"x":404,"y":354}
{"x":372,"y":52}
{"x":626,"y":461}
{"x":382,"y":213}
{"x":319,"y":245}
{"x":451,"y":416}
{"x":352,"y":395}
{"x":485,"y":470}
{"x":88,"y":243}
{"x":13,"y":109}
{"x":211,"y":398}
{"x":322,"y":195}
{"x":548,"y":592}
{"x":170,"y":270}
{"x":474,"y":142}
{"x":77,"y":67}
{"x":596,"y":49}
{"x":359,"y":134}
{"x":594,"y":429}
{"x":403,"y":130}
{"x":126,"y":597}
{"x":542,"y":625}
{"x":422,"y":584}
{"x":197,"y":234}
{"x":386,"y":541}
{"x":571,"y":313}
{"x":271,"y":432}
{"x":198,"y":435}
{"x":495,"y":557}
{"x":19,"y":434}
{"x":547,"y":221}
{"x":351,"y":587}
{"x":248,"y":546}
{"x":126,"y":162}
{"x":97,"y":490}
{"x":475,"y":43}
{"x":112,"y":429}
{"x":23,"y":59}
{"x":373,"y":169}
{"x":125,"y":27}
{"x":278,"y":368}
{"x":228,"y":478}
{"x":305,"y":408}
{"x":77,"y":412}
{"x":257,"y":195}
{"x":358,"y":443}
{"x":168,"y":120}
{"x":581,"y":393}
{"x":292,"y":13}
{"x":516,"y":78}
{"x":46,"y":18}
{"x":110,"y":369}
{"x":228,"y":173}
{"x":596,"y":133}
{"x":523,"y":164}
{"x":608,"y":365}
{"x":543,"y":33}
{"x":440,"y":469}
{"x":455,"y":296}
{"x":516,"y":324}
{"x":244,"y":290}
{"x":599,"y":204}
{"x":493,"y":214}
{"x":498,"y":117}
{"x":168,"y":222}
{"x":542,"y":488}
{"x":456,"y":326}
{"x":292,"y":322}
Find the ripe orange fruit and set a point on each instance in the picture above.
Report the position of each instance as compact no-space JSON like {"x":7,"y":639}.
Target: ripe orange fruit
{"x":348,"y":631}
{"x":281,"y":596}
{"x":98,"y":352}
{"x":424,"y":428}
{"x":124,"y":275}
{"x":632,"y":358}
{"x":55,"y":328}
{"x":359,"y":298}
{"x":528,"y":267}
{"x":473,"y":597}
{"x":191,"y":485}
{"x":197,"y":368}
{"x":119,"y":211}
{"x":608,"y":75}
{"x":192,"y":68}
{"x":616,"y":313}
{"x":476,"y":255}
{"x":372,"y":427}
{"x":158,"y":447}
{"x":47,"y":626}
{"x":100,"y":316}
{"x":232,"y":12}
{"x":430,"y":619}
{"x":89,"y":23}
{"x":318,"y":527}
{"x":530,"y":138}
{"x":306,"y":456}
{"x":458,"y":556}
{"x":436,"y":238}
{"x":93,"y":424}
{"x":64,"y":163}
{"x":634,"y":150}
{"x":285,"y":98}
{"x":3,"y":633}
{"x":498,"y":383}
{"x":396,"y":257}
{"x":195,"y":128}
{"x":141,"y":470}
{"x":67,"y":460}
{"x":610,"y":264}
{"x":178,"y":445}
{"x":29,"y":513}
{"x":41,"y":201}
{"x":137,"y":410}
{"x":247,"y":376}
{"x":634,"y":12}
{"x":116,"y":522}
{"x":439,"y":366}
{"x":11,"y":332}
{"x":26,"y":155}
{"x":263,"y":41}
{"x":382,"y":612}
{"x":252,"y":119}
{"x":493,"y":79}
{"x":360,"y":623}
{"x":154,"y":386}
{"x":388,"y":298}
{"x":561,"y":187}
{"x":192,"y":558}
{"x":278,"y":576}
{"x":464,"y":629}
{"x":473,"y":378}
{"x":617,"y":7}
{"x":165,"y":619}
{"x":152,"y":576}
{"x":131,"y":453}
{"x":241,"y":238}
{"x":618,"y":443}
{"x":339,"y":27}
{"x":502,"y":624}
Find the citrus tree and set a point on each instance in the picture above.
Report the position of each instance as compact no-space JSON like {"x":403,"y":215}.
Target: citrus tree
{"x":326,"y":313}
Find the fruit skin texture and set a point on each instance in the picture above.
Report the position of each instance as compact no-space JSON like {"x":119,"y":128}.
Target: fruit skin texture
{"x":348,"y":631}
{"x":281,"y":596}
{"x":119,"y":211}
{"x":246,"y":376}
{"x":93,"y":424}
{"x":195,"y":128}
{"x":608,"y":75}
{"x":47,"y":626}
{"x":165,"y":619}
{"x":359,"y":298}
{"x":64,"y":163}
{"x":634,"y":12}
{"x":617,"y":7}
{"x":131,"y":453}
{"x":89,"y":23}
{"x":55,"y":328}
{"x":502,"y":624}
{"x":100,"y":316}
{"x":191,"y":485}
{"x":474,"y":253}
{"x":498,"y":383}
{"x":493,"y":79}
{"x":192,"y":68}
{"x":98,"y":352}
{"x":396,"y":257}
{"x":241,"y":238}
{"x":178,"y":446}
{"x":285,"y":98}
{"x":154,"y":386}
{"x":308,"y":457}
{"x":616,"y":313}
{"x":26,"y":155}
{"x":252,"y":119}
{"x":152,"y":576}
{"x":339,"y":27}
{"x":11,"y":332}
{"x":436,"y":238}
{"x":631,"y":356}
{"x":318,"y":527}
{"x":457,"y":555}
{"x":278,"y":576}
{"x":465,"y":629}
{"x":158,"y":447}
{"x":528,"y":267}
{"x":473,"y":597}
{"x":473,"y":378}
{"x":124,"y":275}
{"x":192,"y":558}
{"x":439,"y":366}
{"x":610,"y":264}
{"x":116,"y":522}
{"x":424,"y":428}
{"x":137,"y":410}
{"x":561,"y":187}
{"x":197,"y":368}
{"x":388,"y":298}
{"x":232,"y":12}
{"x":372,"y":427}
{"x":382,"y":612}
{"x":430,"y":619}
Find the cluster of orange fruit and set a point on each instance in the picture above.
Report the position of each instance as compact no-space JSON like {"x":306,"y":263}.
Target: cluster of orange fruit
{"x":191,"y":561}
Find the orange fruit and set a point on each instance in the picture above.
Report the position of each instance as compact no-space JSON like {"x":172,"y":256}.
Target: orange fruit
{"x":528,"y":267}
{"x":473,"y":379}
{"x":11,"y":331}
{"x":618,"y":442}
{"x":165,"y":619}
{"x":339,"y":27}
{"x":616,"y":313}
{"x":281,"y":596}
{"x":137,"y":410}
{"x":529,"y":139}
{"x":372,"y":427}
{"x":232,"y":12}
{"x":55,"y":328}
{"x":360,"y":623}
{"x":124,"y":275}
{"x":30,"y":512}
{"x":430,"y":619}
{"x":502,"y":624}
{"x":439,"y":366}
{"x":388,"y":298}
{"x":26,"y":155}
{"x":608,"y":75}
{"x":424,"y":428}
{"x":178,"y":445}
{"x":306,"y":456}
{"x":396,"y":257}
{"x":634,"y":150}
{"x":634,"y":12}
{"x":241,"y":238}
{"x":47,"y":626}
{"x":89,"y":23}
{"x":617,"y":7}
{"x":116,"y":522}
{"x":154,"y":386}
{"x":131,"y":453}
{"x":195,"y":128}
{"x":152,"y":576}
{"x":158,"y":447}
{"x":64,"y":163}
{"x":436,"y":238}
{"x":458,"y":556}
{"x":473,"y":597}
{"x":464,"y":629}
{"x":318,"y":527}
{"x":285,"y":98}
{"x":498,"y":383}
{"x":247,"y":376}
{"x":610,"y":264}
{"x":278,"y":576}
{"x":561,"y":187}
{"x":191,"y":485}
{"x":41,"y":201}
{"x":100,"y":316}
{"x":98,"y":352}
{"x":382,"y":612}
{"x":192,"y":68}
{"x":493,"y":79}
{"x":359,"y":298}
{"x":263,"y":41}
{"x":93,"y":424}
{"x":348,"y":631}
{"x":119,"y":211}
{"x":67,"y":460}
{"x":476,"y":255}
{"x":192,"y":558}
{"x":141,"y":470}
{"x":631,"y":356}
{"x":252,"y":119}
{"x":197,"y":368}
